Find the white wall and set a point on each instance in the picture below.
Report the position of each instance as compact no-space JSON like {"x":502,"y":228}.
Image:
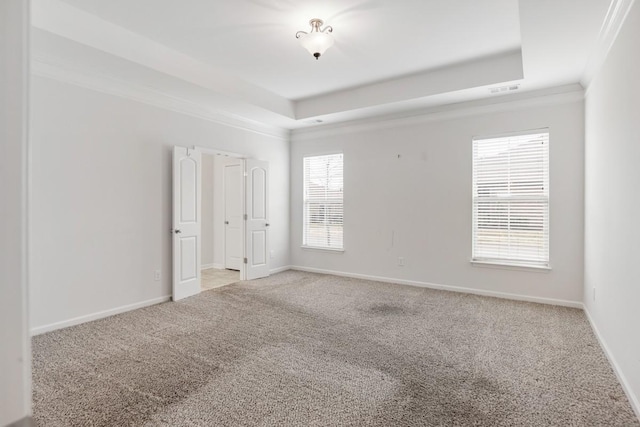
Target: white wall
{"x":612,"y":204}
{"x":101,"y":212}
{"x":423,"y":198}
{"x":207,"y":211}
{"x":15,"y":356}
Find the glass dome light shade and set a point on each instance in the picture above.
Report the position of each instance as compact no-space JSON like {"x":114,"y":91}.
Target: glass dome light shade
{"x":317,"y":43}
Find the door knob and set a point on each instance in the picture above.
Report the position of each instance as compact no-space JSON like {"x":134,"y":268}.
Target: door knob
{"x":177,"y":231}
{"x":266,"y":225}
{"x":226,"y":222}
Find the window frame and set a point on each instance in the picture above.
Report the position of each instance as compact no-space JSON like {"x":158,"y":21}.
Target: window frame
{"x":505,"y":263}
{"x":304,"y":245}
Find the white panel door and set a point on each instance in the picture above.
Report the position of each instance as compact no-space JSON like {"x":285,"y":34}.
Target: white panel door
{"x":257,"y":224}
{"x":233,"y":223}
{"x":186,"y":222}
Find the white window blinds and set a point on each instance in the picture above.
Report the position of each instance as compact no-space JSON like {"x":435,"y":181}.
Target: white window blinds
{"x":323,"y":207}
{"x":511,"y":199}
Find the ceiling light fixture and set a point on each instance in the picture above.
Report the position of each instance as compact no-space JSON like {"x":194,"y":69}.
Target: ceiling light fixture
{"x":318,"y":40}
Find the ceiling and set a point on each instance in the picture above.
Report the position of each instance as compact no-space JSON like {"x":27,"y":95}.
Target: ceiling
{"x":389,"y":55}
{"x":375,"y":39}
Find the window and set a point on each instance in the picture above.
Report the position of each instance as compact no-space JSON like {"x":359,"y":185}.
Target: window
{"x":323,"y":207}
{"x":511,"y":199}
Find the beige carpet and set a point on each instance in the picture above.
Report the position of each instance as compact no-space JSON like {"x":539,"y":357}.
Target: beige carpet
{"x":302,"y":349}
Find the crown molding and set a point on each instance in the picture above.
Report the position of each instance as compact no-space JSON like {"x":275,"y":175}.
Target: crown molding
{"x":613,"y":22}
{"x":486,"y":71}
{"x":49,"y":67}
{"x":53,"y":68}
{"x":552,"y":96}
{"x":67,"y":21}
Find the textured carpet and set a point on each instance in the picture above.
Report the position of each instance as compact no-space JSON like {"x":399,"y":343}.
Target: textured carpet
{"x":303,"y":349}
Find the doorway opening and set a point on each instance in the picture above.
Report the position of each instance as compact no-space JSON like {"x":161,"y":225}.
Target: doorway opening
{"x":222,"y":220}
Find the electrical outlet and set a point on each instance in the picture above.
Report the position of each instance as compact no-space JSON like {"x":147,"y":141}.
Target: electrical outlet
{"x":400,"y":261}
{"x":157,"y":275}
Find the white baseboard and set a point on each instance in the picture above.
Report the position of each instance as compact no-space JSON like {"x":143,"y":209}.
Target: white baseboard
{"x":24,"y":422}
{"x":633,"y":399}
{"x":95,"y":316}
{"x":503,"y":295}
{"x":280,"y":269}
{"x":218,"y":266}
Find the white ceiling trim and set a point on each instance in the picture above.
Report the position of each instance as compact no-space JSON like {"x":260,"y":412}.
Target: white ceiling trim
{"x":67,"y":21}
{"x":493,"y":70}
{"x":552,"y":96}
{"x":617,"y":14}
{"x":44,"y":67}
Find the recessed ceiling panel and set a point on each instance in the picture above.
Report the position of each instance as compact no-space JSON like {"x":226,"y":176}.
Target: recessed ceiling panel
{"x":375,"y":40}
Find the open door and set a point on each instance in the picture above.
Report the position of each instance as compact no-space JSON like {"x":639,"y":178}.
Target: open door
{"x":186,"y":222}
{"x":233,"y":215}
{"x":257,"y":219}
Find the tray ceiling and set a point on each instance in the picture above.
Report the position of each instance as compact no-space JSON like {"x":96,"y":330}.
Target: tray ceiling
{"x":389,"y":56}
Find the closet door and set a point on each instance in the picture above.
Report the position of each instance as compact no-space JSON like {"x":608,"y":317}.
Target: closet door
{"x":186,"y":222}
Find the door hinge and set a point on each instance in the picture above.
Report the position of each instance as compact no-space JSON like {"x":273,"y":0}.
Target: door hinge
{"x":245,"y":260}
{"x":245,"y":217}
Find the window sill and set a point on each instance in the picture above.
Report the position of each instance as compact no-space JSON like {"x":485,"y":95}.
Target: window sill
{"x":511,"y":266}
{"x":314,"y":248}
